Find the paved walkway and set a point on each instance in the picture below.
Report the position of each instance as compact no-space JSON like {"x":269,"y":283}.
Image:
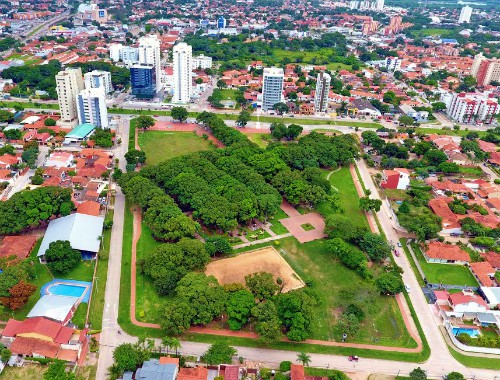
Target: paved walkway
{"x":259,"y":241}
{"x":289,"y":209}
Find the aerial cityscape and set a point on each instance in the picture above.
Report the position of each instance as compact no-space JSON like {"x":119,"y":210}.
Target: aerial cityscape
{"x":250,"y":189}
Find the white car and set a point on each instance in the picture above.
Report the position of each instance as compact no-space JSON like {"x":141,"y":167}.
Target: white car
{"x":399,"y":244}
{"x":407,"y":288}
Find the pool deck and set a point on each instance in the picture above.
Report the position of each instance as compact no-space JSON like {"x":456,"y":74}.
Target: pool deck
{"x":45,"y":289}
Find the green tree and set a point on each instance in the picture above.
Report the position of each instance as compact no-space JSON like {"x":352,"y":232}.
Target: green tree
{"x":13,"y":134}
{"x":135,"y":157}
{"x":128,"y":357}
{"x":221,"y":84}
{"x":389,"y":283}
{"x":219,"y":353}
{"x":217,"y":245}
{"x":438,"y":106}
{"x":179,"y":113}
{"x":176,"y":317}
{"x":145,"y":122}
{"x":280,"y":108}
{"x":61,"y":257}
{"x":304,"y":358}
{"x":449,"y":167}
{"x":367,"y":204}
{"x":49,"y":122}
{"x":262,"y":285}
{"x":268,"y":324}
{"x":293,"y":131}
{"x":406,"y":120}
{"x":455,"y":376}
{"x":418,"y":374}
{"x":375,"y":246}
{"x":239,"y":307}
{"x":243,"y":118}
{"x":340,"y":226}
{"x":57,"y":371}
{"x":278,"y":130}
{"x":434,"y":157}
{"x":6,"y":116}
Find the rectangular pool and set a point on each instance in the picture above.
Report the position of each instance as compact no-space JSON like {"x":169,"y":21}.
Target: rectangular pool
{"x":474,"y":333}
{"x":67,"y":290}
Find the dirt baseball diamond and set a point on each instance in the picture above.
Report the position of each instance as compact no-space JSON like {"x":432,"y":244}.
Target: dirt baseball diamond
{"x":234,"y":269}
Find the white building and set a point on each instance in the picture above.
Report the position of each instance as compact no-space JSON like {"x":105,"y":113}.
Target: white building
{"x":374,"y":5}
{"x":92,"y":108}
{"x":115,"y":52}
{"x":272,"y":88}
{"x":149,"y":54}
{"x":68,"y":84}
{"x":203,"y":62}
{"x":465,"y":14}
{"x":322,"y":90}
{"x":393,"y":64}
{"x":472,"y":107}
{"x":129,"y":55}
{"x":183,"y":75}
{"x":99,"y":79}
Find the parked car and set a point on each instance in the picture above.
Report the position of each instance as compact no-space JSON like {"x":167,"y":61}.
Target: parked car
{"x":396,"y":252}
{"x":407,"y":288}
{"x":399,"y":244}
{"x":353,"y":358}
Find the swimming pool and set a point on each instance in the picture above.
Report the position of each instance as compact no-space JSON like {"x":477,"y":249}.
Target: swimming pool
{"x":474,"y":333}
{"x":69,"y":288}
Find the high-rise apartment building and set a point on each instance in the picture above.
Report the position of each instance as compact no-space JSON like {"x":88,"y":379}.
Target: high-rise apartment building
{"x":91,"y":105}
{"x":272,"y":87}
{"x":99,"y":79}
{"x":143,"y":81}
{"x":149,"y":54}
{"x":183,"y":75}
{"x":485,"y":70}
{"x":374,"y":5}
{"x":322,"y":91}
{"x":465,"y":14}
{"x":471,"y":107}
{"x":68,"y":84}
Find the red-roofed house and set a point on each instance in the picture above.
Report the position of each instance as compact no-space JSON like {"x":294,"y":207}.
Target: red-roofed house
{"x":42,"y":338}
{"x":486,"y":146}
{"x":89,"y":208}
{"x":438,"y":252}
{"x":484,"y":273}
{"x":449,"y":220}
{"x":6,"y":161}
{"x":466,"y":302}
{"x":229,"y":372}
{"x":493,"y":258}
{"x":297,"y":372}
{"x":399,"y":179}
{"x":198,"y":373}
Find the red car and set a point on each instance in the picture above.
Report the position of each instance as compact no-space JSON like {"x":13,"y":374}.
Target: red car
{"x":396,"y":252}
{"x":353,"y":358}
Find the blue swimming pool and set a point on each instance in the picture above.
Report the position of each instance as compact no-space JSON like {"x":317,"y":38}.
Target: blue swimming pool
{"x":474,"y":333}
{"x":69,"y":288}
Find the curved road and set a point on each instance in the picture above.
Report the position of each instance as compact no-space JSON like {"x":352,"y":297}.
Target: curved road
{"x":441,"y":362}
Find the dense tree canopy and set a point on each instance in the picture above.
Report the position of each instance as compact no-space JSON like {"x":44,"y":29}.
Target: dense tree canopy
{"x":61,"y":257}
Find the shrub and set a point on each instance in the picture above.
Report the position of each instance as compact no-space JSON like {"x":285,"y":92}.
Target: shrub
{"x":285,"y":366}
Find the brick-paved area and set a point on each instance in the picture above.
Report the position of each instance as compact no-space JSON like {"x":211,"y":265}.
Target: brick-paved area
{"x":294,"y":226}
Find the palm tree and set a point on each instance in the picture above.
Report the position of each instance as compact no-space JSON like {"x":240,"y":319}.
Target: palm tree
{"x":167,"y":342}
{"x":151,"y":345}
{"x":304,"y":358}
{"x":141,"y":341}
{"x":175,"y":344}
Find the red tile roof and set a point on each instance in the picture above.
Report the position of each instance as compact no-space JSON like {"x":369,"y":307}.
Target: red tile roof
{"x":493,"y":258}
{"x":231,"y":372}
{"x":19,"y":246}
{"x":483,"y":270}
{"x":438,"y":250}
{"x":31,"y":346}
{"x":89,"y":208}
{"x":297,"y":372}
{"x":460,"y":299}
{"x":169,"y":360}
{"x":198,"y":373}
{"x":37,"y":325}
{"x":440,"y":207}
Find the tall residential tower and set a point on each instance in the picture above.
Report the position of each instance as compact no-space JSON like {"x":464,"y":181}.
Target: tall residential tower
{"x":272,"y":87}
{"x":322,"y":91}
{"x":68,"y":84}
{"x":149,"y":54}
{"x":183,"y":75}
{"x":91,"y":105}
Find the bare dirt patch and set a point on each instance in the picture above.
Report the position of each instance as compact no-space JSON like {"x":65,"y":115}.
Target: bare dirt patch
{"x":234,"y":269}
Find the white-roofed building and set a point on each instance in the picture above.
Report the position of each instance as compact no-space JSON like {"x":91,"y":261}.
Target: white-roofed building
{"x":30,"y":120}
{"x":56,"y":308}
{"x":81,"y":230}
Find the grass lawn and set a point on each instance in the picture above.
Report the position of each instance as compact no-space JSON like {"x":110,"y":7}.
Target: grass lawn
{"x":161,"y":146}
{"x":79,"y":316}
{"x":147,"y":300}
{"x":276,"y":225}
{"x":307,"y":227}
{"x":383,"y":324}
{"x":319,"y":57}
{"x":473,"y":172}
{"x":444,"y":273}
{"x":343,"y":182}
{"x":258,"y":138}
{"x":431,"y":32}
{"x":11,"y":104}
{"x":82,"y":272}
{"x":412,"y":262}
{"x":450,"y":132}
{"x":29,"y":371}
{"x":228,"y":94}
{"x":98,"y":291}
